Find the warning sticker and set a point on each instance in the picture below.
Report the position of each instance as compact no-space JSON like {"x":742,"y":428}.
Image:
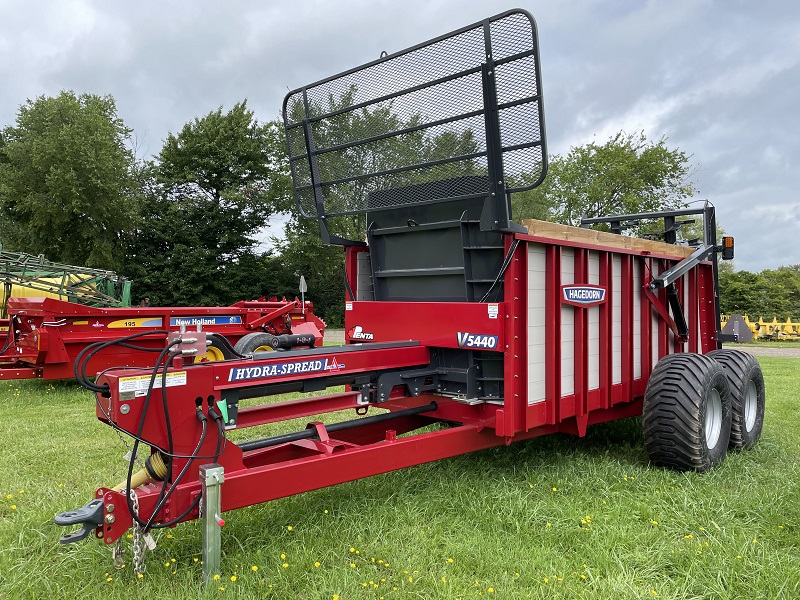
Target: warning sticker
{"x":348,"y":306}
{"x":494,"y":310}
{"x":140,"y":383}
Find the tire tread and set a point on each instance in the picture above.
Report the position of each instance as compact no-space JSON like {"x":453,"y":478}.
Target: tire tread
{"x":672,"y":414}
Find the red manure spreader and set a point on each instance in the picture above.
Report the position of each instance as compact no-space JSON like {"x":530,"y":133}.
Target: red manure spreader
{"x":455,"y":314}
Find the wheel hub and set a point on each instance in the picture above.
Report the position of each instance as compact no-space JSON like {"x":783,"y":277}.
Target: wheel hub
{"x":713,"y":420}
{"x":750,"y":406}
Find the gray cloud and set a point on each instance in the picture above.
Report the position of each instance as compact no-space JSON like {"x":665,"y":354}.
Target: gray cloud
{"x":720,"y":80}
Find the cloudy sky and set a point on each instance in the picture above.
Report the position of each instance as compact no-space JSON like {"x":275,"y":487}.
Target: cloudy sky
{"x":719,"y":79}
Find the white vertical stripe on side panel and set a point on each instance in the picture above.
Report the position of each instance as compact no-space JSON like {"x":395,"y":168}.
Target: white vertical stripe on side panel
{"x":654,"y":317}
{"x":616,"y":319}
{"x":567,"y":326}
{"x":637,"y":317}
{"x":537,"y":264}
{"x":593,"y":326}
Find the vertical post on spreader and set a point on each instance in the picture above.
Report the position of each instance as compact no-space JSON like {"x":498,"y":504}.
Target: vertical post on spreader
{"x":303,"y":290}
{"x":211,"y":478}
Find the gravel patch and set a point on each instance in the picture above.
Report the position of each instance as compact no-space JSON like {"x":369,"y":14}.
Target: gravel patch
{"x":767,"y":351}
{"x":334,"y":336}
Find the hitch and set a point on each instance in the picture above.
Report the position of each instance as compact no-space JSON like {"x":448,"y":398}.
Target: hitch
{"x":89,"y":517}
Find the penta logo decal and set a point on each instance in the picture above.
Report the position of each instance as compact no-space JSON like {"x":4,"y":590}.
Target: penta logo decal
{"x":356,"y":333}
{"x":473,"y":340}
{"x":583,"y":295}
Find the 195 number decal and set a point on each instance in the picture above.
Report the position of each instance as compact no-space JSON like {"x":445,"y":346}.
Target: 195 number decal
{"x":472,"y":340}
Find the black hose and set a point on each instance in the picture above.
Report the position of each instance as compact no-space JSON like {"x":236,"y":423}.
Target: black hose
{"x":80,"y":366}
{"x":220,"y":446}
{"x":145,"y":405}
{"x":502,"y":271}
{"x":347,"y":284}
{"x":10,"y":334}
{"x":163,"y":497}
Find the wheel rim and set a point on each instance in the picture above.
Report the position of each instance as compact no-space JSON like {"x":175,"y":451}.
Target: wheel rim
{"x":213,"y":354}
{"x":713,"y":422}
{"x":750,"y":406}
{"x":263,"y":349}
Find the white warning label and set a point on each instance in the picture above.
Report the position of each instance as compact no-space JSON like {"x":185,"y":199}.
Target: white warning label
{"x":140,"y":383}
{"x":494,"y":310}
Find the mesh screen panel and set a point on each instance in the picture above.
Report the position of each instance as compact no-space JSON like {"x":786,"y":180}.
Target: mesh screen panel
{"x":428,"y":114}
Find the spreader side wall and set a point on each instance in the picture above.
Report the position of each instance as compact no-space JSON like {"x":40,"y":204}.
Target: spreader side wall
{"x":582,"y":358}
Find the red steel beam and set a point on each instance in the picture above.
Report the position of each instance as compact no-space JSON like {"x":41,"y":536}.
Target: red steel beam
{"x":322,"y":464}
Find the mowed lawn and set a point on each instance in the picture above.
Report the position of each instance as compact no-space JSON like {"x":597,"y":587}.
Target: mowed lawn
{"x":553,"y":517}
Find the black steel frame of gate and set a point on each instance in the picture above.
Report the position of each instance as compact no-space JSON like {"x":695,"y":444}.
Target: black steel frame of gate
{"x":463,"y":107}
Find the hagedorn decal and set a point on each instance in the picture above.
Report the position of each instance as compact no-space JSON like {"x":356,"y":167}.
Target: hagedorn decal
{"x":583,"y":295}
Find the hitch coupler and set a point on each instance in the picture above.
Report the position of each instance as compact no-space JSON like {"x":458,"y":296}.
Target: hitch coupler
{"x":90,"y":516}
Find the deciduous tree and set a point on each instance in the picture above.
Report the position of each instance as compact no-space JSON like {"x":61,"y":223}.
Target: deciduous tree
{"x":769,"y":294}
{"x":65,"y":180}
{"x":213,"y":187}
{"x":627,"y":174}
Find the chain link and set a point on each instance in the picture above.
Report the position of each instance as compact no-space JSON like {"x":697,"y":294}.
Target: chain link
{"x":118,"y":554}
{"x":124,"y":440}
{"x":129,"y":450}
{"x":139,"y":547}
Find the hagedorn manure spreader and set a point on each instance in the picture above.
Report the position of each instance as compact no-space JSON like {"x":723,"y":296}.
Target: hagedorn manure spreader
{"x":455,"y":314}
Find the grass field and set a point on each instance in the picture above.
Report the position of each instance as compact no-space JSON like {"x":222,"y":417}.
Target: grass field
{"x":766,"y":344}
{"x":554,"y":517}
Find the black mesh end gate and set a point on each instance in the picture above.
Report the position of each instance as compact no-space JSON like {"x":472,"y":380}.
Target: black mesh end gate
{"x":458,"y":117}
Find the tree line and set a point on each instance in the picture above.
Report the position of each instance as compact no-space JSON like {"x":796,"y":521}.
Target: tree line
{"x":769,"y":293}
{"x":187,"y":224}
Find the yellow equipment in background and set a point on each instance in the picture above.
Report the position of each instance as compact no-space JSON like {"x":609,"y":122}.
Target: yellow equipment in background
{"x":26,"y":276}
{"x":768,"y":330}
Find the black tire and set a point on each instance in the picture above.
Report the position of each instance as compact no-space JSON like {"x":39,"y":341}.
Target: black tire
{"x":686,"y":415}
{"x":747,"y":396}
{"x":218,"y":349}
{"x":255,"y":342}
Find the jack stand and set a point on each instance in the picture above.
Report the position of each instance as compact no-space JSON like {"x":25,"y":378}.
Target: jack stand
{"x":211,"y":478}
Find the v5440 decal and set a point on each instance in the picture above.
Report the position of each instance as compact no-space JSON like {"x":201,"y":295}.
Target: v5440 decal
{"x":476,"y":340}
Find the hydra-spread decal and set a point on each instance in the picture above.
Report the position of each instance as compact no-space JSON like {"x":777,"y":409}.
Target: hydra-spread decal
{"x":583,"y":295}
{"x":286,"y":368}
{"x":473,"y":340}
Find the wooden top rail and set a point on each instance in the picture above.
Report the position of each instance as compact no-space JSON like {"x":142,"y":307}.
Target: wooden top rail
{"x":567,"y":233}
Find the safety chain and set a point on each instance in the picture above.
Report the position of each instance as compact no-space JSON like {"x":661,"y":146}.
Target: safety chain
{"x":139,"y":547}
{"x":118,"y":555}
{"x":141,"y":542}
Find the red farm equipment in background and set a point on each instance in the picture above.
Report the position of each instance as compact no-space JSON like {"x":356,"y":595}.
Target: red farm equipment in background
{"x":455,"y":314}
{"x":46,"y":336}
{"x":51,"y":312}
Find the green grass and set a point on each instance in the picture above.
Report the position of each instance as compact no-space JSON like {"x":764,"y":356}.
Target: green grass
{"x":553,"y":517}
{"x":761,"y":343}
